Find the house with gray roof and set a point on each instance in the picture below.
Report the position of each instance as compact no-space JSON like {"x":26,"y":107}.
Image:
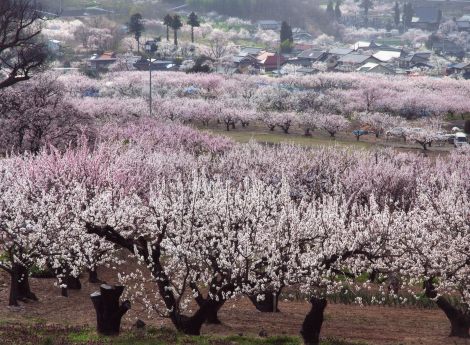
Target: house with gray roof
{"x":269,"y":25}
{"x":463,"y":23}
{"x":356,"y":59}
{"x":426,"y":18}
{"x":312,"y":55}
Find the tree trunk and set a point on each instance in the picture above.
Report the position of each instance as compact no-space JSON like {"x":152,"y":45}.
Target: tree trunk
{"x":108,"y":310}
{"x":192,"y":325}
{"x":192,"y":34}
{"x":267,"y":305}
{"x":212,"y":317}
{"x":71,"y":282}
{"x":93,"y":277}
{"x":167,"y":33}
{"x":313,"y":322}
{"x":19,"y":286}
{"x":459,"y":320}
{"x":307,"y":132}
{"x":176,"y":37}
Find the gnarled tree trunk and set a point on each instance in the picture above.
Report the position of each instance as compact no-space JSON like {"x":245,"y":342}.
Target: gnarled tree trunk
{"x":93,"y":277}
{"x":70,"y":282}
{"x":190,"y":325}
{"x":268,"y":303}
{"x":459,"y":319}
{"x":313,"y":322}
{"x":108,"y":310}
{"x":20,"y":289}
{"x":212,"y":317}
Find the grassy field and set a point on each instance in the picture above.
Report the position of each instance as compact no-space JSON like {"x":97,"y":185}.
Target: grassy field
{"x":277,"y":138}
{"x":46,"y":334}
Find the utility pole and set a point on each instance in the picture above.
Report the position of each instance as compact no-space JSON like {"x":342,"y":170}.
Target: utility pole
{"x":150,"y":47}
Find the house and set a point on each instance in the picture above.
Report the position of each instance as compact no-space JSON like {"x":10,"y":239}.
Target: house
{"x":372,"y":67}
{"x":462,"y":69}
{"x":269,"y":25}
{"x":157,"y":65}
{"x":250,"y":51}
{"x":299,"y":34}
{"x":101,"y":62}
{"x":387,"y":56}
{"x":312,"y":55}
{"x":339,"y":51}
{"x":352,"y":61}
{"x":367,"y":45}
{"x":270,"y":61}
{"x":246,"y":63}
{"x":426,"y":18}
{"x":414,"y":59}
{"x":448,"y":47}
{"x":463,"y":23}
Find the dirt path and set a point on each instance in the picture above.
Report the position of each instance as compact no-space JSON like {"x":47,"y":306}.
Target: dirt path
{"x":374,"y":325}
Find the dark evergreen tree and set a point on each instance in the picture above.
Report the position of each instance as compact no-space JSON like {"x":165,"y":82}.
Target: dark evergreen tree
{"x":167,"y":22}
{"x":330,"y":11}
{"x":193,"y":21}
{"x":366,"y":5}
{"x":408,"y":13}
{"x":287,"y":39}
{"x":176,"y":24}
{"x":338,"y":13}
{"x":136,"y":27}
{"x":396,"y":15}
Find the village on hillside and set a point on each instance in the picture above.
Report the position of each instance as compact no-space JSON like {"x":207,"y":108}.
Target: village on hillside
{"x":411,"y":39}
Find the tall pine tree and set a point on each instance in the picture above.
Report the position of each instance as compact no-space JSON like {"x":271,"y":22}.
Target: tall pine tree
{"x":366,"y":5}
{"x":287,"y":39}
{"x":396,"y":15}
{"x":338,"y":13}
{"x":193,"y":21}
{"x":167,"y":21}
{"x":136,"y":27}
{"x":176,"y":24}
{"x":330,"y":11}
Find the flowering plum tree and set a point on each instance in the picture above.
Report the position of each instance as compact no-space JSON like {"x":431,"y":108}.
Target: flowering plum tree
{"x":36,"y":113}
{"x":332,"y":123}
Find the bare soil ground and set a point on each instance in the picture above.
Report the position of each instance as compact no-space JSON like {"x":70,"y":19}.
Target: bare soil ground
{"x":371,"y":325}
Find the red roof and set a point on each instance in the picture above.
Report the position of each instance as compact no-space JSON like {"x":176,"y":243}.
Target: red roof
{"x":268,"y":59}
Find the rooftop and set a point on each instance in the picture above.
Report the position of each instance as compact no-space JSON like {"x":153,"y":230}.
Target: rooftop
{"x":340,"y":51}
{"x":386,"y":56}
{"x":354,"y":58}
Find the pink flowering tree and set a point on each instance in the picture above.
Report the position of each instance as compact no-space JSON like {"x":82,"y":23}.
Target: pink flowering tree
{"x":333,"y":123}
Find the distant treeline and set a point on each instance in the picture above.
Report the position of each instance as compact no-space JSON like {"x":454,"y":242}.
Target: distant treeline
{"x":259,"y":9}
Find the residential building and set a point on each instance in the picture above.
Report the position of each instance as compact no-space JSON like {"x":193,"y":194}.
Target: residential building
{"x":372,"y":67}
{"x":426,"y":18}
{"x":353,"y":61}
{"x":101,"y":62}
{"x":463,"y":23}
{"x":387,"y":56}
{"x":312,"y":55}
{"x":270,"y":61}
{"x":269,"y":25}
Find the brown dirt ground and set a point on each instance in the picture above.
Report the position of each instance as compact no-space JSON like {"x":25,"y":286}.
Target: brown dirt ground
{"x":373,"y":325}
